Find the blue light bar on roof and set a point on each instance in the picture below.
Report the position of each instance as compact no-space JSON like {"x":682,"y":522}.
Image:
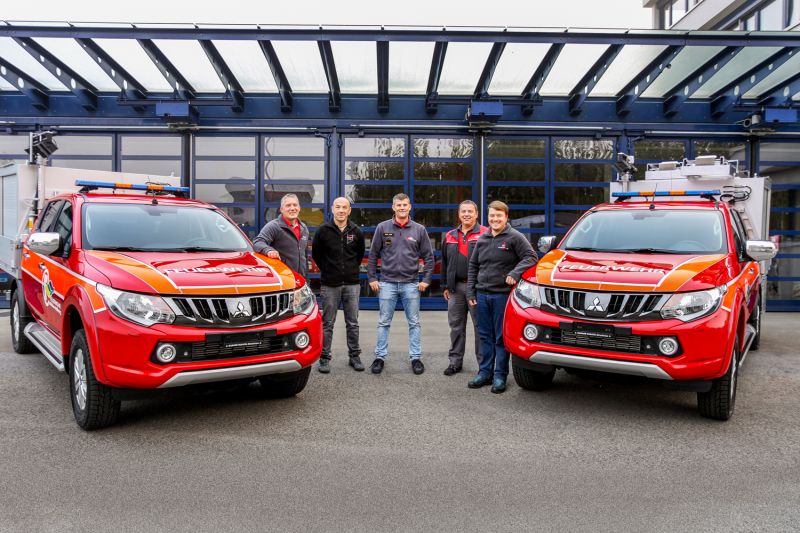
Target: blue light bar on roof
{"x":635,"y":194}
{"x":133,"y":186}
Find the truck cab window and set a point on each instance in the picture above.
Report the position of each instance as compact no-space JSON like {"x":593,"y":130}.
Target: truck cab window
{"x":63,"y":226}
{"x":50,"y":212}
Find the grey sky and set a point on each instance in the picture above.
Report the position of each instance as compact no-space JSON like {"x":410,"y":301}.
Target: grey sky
{"x":533,"y":13}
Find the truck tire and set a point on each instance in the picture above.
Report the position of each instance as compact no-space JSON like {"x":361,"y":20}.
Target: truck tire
{"x":93,"y":403}
{"x":755,"y":321}
{"x":530,"y":379}
{"x":719,"y":402}
{"x":284,"y":385}
{"x":19,"y":321}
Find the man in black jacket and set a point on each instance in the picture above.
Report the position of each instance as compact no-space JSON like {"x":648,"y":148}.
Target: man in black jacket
{"x":338,"y":249}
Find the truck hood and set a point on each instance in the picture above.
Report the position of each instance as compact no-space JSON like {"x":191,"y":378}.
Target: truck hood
{"x":630,"y":272}
{"x":205,"y":273}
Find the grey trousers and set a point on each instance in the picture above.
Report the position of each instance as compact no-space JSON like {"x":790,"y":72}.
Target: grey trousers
{"x":348,"y":296}
{"x":457,"y":311}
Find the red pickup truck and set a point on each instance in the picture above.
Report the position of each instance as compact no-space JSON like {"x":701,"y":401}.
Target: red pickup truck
{"x":151,"y":292}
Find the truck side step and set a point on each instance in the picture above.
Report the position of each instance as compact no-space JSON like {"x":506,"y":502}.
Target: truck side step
{"x":749,"y":335}
{"x":47,"y":343}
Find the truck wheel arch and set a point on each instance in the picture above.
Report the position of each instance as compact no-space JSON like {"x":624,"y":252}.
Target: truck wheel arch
{"x":78,"y":313}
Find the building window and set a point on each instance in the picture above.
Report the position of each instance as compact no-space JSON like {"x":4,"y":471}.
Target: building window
{"x":90,"y":152}
{"x":771,"y":16}
{"x":150,"y":154}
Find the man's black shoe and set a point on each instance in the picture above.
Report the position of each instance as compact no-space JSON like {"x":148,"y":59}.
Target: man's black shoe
{"x":452,"y":369}
{"x":417,"y":366}
{"x":498,"y":386}
{"x":356,"y":363}
{"x":377,"y":366}
{"x":478,"y":381}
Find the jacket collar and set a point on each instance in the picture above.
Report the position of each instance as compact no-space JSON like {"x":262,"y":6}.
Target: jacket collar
{"x":350,"y":225}
{"x":282,"y":222}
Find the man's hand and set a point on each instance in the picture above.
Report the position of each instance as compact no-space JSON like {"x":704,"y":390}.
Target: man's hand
{"x":274,"y":254}
{"x":510,"y":281}
{"x":446,"y":294}
{"x":472,"y":302}
{"x":375,"y":286}
{"x":422,"y":286}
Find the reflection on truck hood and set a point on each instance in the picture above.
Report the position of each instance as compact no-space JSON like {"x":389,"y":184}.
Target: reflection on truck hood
{"x":630,"y":272}
{"x":192,"y":273}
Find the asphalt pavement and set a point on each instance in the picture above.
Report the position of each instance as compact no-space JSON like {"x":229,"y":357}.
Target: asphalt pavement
{"x":399,"y":452}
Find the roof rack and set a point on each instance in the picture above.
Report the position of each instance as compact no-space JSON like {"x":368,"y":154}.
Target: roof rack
{"x":150,"y":188}
{"x":707,"y":194}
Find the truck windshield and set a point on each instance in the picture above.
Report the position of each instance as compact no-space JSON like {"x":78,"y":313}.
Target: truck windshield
{"x":159,"y":228}
{"x":676,"y":231}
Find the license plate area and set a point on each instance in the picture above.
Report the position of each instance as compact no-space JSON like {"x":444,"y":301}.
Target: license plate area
{"x":240,"y":341}
{"x":597,"y":331}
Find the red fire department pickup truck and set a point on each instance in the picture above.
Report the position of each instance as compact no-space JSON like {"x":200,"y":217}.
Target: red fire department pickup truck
{"x":669,"y":290}
{"x":152,"y":292}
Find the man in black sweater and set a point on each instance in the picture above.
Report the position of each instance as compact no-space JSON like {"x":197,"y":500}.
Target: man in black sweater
{"x":338,"y":249}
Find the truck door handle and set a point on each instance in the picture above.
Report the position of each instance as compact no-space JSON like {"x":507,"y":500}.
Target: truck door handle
{"x":41,"y":266}
{"x":26,"y":255}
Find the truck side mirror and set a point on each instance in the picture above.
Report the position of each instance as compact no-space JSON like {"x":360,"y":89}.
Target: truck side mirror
{"x":44,"y":243}
{"x":545,"y":244}
{"x":760,"y":250}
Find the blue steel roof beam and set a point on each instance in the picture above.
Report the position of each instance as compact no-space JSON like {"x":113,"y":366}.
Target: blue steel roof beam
{"x":687,"y":87}
{"x":482,"y":89}
{"x":645,"y":78}
{"x":780,"y":95}
{"x":180,"y":85}
{"x":728,"y":96}
{"x":334,"y":92}
{"x":28,"y":86}
{"x":582,"y":89}
{"x":232,"y":86}
{"x":383,"y":76}
{"x":437,"y":62}
{"x":122,"y":78}
{"x":531,"y":90}
{"x":82,"y":89}
{"x":281,"y":81}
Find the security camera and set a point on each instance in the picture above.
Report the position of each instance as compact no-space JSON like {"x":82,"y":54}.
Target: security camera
{"x":752,"y":120}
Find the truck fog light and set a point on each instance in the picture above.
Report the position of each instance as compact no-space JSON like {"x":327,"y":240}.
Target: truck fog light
{"x":668,"y":345}
{"x":302,"y":339}
{"x":166,"y":353}
{"x":530,"y":332}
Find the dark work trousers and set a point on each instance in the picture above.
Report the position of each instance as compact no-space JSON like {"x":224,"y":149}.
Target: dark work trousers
{"x":331,"y":297}
{"x":457,"y":311}
{"x":491,"y":307}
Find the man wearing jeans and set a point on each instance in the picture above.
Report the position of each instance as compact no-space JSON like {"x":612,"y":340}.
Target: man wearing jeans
{"x":338,"y":249}
{"x":399,"y":243}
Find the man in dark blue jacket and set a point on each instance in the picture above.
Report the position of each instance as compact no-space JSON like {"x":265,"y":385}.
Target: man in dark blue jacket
{"x":286,"y":237}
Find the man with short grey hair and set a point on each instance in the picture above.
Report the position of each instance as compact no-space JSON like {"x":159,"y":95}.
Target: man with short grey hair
{"x":286,"y":237}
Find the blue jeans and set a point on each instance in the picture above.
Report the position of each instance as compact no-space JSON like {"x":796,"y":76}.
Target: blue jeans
{"x":408,"y":293}
{"x":494,"y":357}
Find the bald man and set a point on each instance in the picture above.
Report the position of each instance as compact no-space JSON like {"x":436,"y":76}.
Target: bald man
{"x":338,"y":249}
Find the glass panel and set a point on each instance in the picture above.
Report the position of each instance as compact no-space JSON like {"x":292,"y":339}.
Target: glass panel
{"x":584,"y":149}
{"x":453,"y":148}
{"x":13,"y":144}
{"x":785,"y":267}
{"x":226,"y":193}
{"x":770,"y":151}
{"x":573,"y":62}
{"x":516,"y":66}
{"x":312,"y":216}
{"x":370,"y":216}
{"x":565,"y":219}
{"x":85,"y":164}
{"x":130,"y":55}
{"x":678,"y":10}
{"x":783,"y":290}
{"x":730,"y":150}
{"x":781,"y":74}
{"x":463,"y":64}
{"x":154,"y":167}
{"x":83,"y":145}
{"x":744,"y":61}
{"x":374,"y":170}
{"x":784,"y":221}
{"x":374,"y":147}
{"x":189,"y":58}
{"x":409,"y":67}
{"x":294,"y":170}
{"x":443,"y":171}
{"x":371,"y":193}
{"x":303,"y":65}
{"x":307,"y":193}
{"x":772,"y":16}
{"x":17,"y":56}
{"x":243,"y":216}
{"x":687,"y":60}
{"x":631,"y":60}
{"x":527,"y":218}
{"x":582,"y":172}
{"x":436,"y":218}
{"x":533,"y":148}
{"x":248,"y":64}
{"x":5,"y":86}
{"x":794,"y":12}
{"x":432,"y":194}
{"x":225,"y":146}
{"x":75,"y":57}
{"x":515,"y":195}
{"x":223,"y":170}
{"x":294,"y":146}
{"x":580,"y":195}
{"x":787,"y":244}
{"x":659,"y":150}
{"x":155,"y":145}
{"x":515,"y":172}
{"x":356,"y":65}
{"x":785,"y":198}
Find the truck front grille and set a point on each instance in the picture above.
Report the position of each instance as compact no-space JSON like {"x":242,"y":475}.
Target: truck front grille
{"x":245,"y":311}
{"x":627,"y":307}
{"x":205,"y":351}
{"x":616,"y":342}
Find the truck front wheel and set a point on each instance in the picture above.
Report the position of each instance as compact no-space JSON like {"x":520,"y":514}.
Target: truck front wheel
{"x":531,"y":379}
{"x":284,"y":385}
{"x":718,"y":403}
{"x":93,"y":403}
{"x":19,"y":341}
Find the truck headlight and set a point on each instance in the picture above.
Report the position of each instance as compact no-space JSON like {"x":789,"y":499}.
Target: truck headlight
{"x":526,"y":294}
{"x":303,"y":300}
{"x":689,"y":306}
{"x":143,"y":309}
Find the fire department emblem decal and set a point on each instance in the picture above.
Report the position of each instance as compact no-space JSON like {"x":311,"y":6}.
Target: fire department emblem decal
{"x":240,"y":311}
{"x":595,"y":306}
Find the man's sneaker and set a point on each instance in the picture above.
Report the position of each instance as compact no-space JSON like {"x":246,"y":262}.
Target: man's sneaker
{"x":356,"y":363}
{"x":417,"y":367}
{"x":452,"y":369}
{"x":478,"y":381}
{"x":498,"y":386}
{"x":377,"y":366}
{"x":324,"y":366}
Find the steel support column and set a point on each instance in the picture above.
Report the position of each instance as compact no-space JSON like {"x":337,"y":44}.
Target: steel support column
{"x":582,"y":89}
{"x":687,"y":87}
{"x":531,"y":90}
{"x":645,"y":78}
{"x":437,"y":62}
{"x":180,"y":85}
{"x":334,"y":92}
{"x":128,"y":85}
{"x":35,"y":91}
{"x":232,"y":87}
{"x":383,"y":76}
{"x":482,"y":88}
{"x":284,"y":89}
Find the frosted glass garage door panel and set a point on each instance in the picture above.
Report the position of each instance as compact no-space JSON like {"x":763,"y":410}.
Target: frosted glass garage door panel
{"x":17,"y":56}
{"x":248,"y":64}
{"x":303,"y":65}
{"x":744,"y":61}
{"x":463,"y":64}
{"x":781,"y":74}
{"x":76,"y":58}
{"x":630,"y":61}
{"x":687,"y":61}
{"x":130,"y":55}
{"x":574,"y":61}
{"x":409,"y":67}
{"x":516,"y":66}
{"x":189,"y":58}
{"x":356,"y":65}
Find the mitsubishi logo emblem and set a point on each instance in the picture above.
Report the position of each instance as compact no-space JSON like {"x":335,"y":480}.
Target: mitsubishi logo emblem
{"x":595,"y":306}
{"x":240,"y":311}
